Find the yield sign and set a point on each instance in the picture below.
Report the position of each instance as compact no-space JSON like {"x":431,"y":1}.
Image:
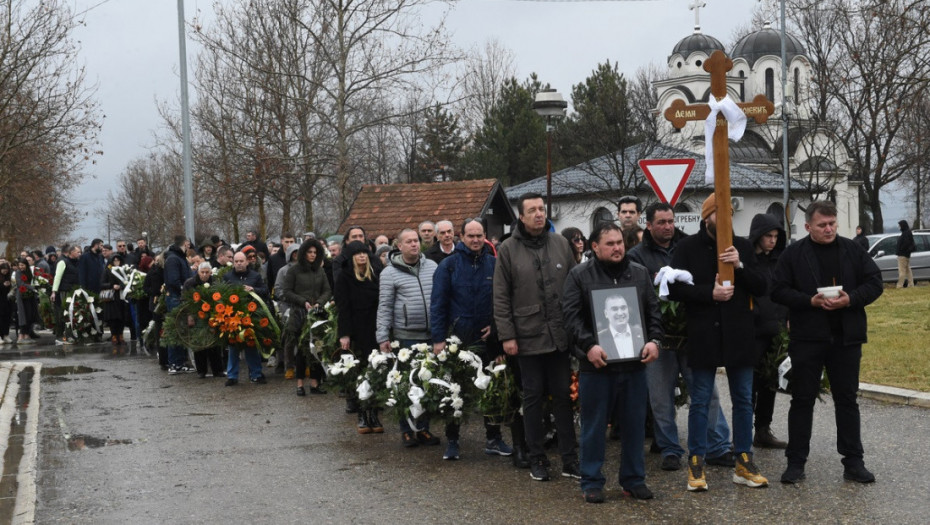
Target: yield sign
{"x":667,"y":177}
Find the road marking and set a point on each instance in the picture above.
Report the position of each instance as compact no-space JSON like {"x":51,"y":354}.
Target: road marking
{"x":24,"y":508}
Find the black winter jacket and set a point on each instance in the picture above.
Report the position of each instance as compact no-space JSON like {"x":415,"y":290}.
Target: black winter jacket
{"x":770,"y":316}
{"x":719,"y":334}
{"x":576,"y":307}
{"x":797,"y":279}
{"x":653,"y":256}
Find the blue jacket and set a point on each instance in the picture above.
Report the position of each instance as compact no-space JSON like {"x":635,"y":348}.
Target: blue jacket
{"x":90,"y":271}
{"x":463,"y":294}
{"x":177,"y":271}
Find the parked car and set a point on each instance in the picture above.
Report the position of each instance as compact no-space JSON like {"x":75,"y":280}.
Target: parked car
{"x":882,"y":247}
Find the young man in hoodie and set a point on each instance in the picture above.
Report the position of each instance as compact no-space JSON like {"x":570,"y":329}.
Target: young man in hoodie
{"x":768,"y":239}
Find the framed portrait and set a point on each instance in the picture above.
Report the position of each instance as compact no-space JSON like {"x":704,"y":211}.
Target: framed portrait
{"x":618,"y":322}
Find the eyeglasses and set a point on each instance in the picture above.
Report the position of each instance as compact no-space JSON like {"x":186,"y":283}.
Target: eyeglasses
{"x":578,"y":239}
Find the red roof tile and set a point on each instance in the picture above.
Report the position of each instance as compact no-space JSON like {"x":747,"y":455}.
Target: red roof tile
{"x":389,"y":208}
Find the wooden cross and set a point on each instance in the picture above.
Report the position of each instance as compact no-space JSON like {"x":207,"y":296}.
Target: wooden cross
{"x":679,"y":113}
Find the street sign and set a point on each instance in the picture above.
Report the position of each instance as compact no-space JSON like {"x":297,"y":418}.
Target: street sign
{"x":667,"y":177}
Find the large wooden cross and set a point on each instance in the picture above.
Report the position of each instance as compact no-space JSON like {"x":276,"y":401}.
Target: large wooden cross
{"x":680,"y":113}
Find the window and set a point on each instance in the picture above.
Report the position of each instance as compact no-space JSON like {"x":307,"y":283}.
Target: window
{"x":742,"y":86}
{"x":770,"y":84}
{"x":797,"y":85}
{"x":887,"y":245}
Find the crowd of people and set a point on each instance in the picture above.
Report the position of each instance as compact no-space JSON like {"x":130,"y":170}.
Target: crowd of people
{"x":529,"y":301}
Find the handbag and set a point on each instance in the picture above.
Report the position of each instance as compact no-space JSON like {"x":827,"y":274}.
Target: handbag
{"x":107,"y":295}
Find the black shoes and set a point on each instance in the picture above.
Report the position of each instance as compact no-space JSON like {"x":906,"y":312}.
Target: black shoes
{"x":232,"y":382}
{"x":858,"y":473}
{"x":409,"y":439}
{"x":539,"y":471}
{"x":364,"y":426}
{"x":723,"y":460}
{"x":425,"y":438}
{"x":594,"y":496}
{"x":301,"y":392}
{"x":571,"y":470}
{"x":374,"y":422}
{"x":793,"y":474}
{"x":260,"y":380}
{"x":671,"y":462}
{"x":315,"y":390}
{"x":351,"y":405}
{"x":639,"y":492}
{"x":764,"y":438}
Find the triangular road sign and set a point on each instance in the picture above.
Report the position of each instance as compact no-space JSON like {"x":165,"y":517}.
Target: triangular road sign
{"x":667,"y":177}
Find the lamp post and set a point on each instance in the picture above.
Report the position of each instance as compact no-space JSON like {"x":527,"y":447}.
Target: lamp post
{"x":549,"y":105}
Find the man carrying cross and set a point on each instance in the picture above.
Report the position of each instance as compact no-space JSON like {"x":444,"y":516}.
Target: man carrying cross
{"x":719,"y":305}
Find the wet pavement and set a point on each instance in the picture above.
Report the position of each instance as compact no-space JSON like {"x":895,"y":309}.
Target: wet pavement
{"x":120,"y":441}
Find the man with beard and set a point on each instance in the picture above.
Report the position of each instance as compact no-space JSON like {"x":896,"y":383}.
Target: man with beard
{"x":90,"y":267}
{"x":601,"y":385}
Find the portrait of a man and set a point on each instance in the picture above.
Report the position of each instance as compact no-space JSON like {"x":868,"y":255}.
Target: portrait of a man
{"x":620,"y":331}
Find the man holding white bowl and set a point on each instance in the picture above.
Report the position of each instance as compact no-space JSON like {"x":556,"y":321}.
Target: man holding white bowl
{"x":826,"y":281}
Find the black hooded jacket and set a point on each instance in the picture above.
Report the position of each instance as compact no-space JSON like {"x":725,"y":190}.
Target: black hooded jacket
{"x":769,"y":316}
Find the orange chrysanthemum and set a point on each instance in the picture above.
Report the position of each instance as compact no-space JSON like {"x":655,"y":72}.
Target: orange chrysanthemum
{"x":196,"y":297}
{"x":202,"y":315}
{"x":252,"y":306}
{"x":264,"y":322}
{"x":217,"y":296}
{"x":220,"y":308}
{"x":234,"y":299}
{"x":205,"y":307}
{"x":266,"y":342}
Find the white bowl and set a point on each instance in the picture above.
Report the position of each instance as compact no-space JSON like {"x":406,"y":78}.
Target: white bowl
{"x":830,"y":292}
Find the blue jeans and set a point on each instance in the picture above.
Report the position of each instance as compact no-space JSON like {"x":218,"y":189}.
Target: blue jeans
{"x":702,"y":386}
{"x":600,"y":395}
{"x":252,"y":359}
{"x":177,"y":355}
{"x":424,"y":423}
{"x":662,"y":376}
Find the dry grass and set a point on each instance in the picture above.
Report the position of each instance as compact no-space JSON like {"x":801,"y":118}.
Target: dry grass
{"x":898,"y":351}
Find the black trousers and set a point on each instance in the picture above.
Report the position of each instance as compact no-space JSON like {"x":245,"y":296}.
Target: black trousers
{"x":808,"y":360}
{"x":213,"y":357}
{"x":763,"y":397}
{"x":548,"y":374}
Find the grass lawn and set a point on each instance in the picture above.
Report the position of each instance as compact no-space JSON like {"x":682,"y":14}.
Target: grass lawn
{"x":898,"y":351}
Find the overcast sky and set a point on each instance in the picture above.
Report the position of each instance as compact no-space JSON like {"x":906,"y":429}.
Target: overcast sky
{"x":130,"y":50}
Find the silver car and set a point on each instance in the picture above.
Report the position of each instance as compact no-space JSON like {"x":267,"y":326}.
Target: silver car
{"x":882,"y":247}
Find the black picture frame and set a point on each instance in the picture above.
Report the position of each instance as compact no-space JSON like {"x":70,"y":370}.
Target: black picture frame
{"x":632,"y":333}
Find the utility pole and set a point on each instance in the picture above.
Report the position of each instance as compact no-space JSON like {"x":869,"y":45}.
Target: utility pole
{"x":186,"y":131}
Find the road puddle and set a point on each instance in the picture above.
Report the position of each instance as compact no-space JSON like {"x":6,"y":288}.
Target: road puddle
{"x":55,"y":374}
{"x":81,"y":442}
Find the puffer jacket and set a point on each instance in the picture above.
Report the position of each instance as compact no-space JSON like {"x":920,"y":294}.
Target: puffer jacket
{"x":528,"y":283}
{"x":463,"y":294}
{"x":576,"y":306}
{"x":403,"y":298}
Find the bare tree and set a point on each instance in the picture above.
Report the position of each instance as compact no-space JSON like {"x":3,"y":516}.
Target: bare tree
{"x":49,"y":119}
{"x":483,"y":75}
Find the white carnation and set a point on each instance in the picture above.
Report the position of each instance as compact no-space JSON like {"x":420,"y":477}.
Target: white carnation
{"x":395,"y":344}
{"x":403,"y":355}
{"x":457,"y":403}
{"x":425,"y":374}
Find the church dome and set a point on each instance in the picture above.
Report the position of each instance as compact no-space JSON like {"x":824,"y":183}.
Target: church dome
{"x":695,"y":42}
{"x":766,"y":41}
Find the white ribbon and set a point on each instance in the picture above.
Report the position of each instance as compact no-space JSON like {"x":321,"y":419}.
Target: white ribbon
{"x":783,"y":369}
{"x":364,"y":390}
{"x":668,"y":275}
{"x":90,"y":306}
{"x":736,"y":125}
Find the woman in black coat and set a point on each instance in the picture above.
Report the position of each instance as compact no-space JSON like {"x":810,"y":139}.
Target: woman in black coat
{"x":116,"y":311}
{"x":357,"y":301}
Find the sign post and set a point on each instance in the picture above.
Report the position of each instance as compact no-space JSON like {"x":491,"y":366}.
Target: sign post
{"x":667,"y":177}
{"x":679,"y":113}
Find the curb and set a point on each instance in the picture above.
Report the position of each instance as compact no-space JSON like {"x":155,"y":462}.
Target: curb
{"x":890,"y":394}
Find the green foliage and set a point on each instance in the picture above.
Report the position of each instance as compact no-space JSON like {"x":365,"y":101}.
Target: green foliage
{"x":501,"y":401}
{"x":439,"y":146}
{"x":511,"y":144}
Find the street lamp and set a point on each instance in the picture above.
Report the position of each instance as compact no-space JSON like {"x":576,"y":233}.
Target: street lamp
{"x":549,"y":105}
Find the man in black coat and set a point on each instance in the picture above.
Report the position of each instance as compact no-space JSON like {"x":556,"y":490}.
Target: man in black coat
{"x":90,"y":267}
{"x":825,"y":332}
{"x":277,"y":261}
{"x":602,"y":385}
{"x":903,"y":250}
{"x":720,"y":328}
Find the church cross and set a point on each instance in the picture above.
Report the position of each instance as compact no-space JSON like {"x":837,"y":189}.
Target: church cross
{"x":696,"y":7}
{"x":679,"y":113}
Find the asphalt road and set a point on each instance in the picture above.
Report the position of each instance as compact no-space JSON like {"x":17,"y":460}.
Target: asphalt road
{"x":120,"y":441}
